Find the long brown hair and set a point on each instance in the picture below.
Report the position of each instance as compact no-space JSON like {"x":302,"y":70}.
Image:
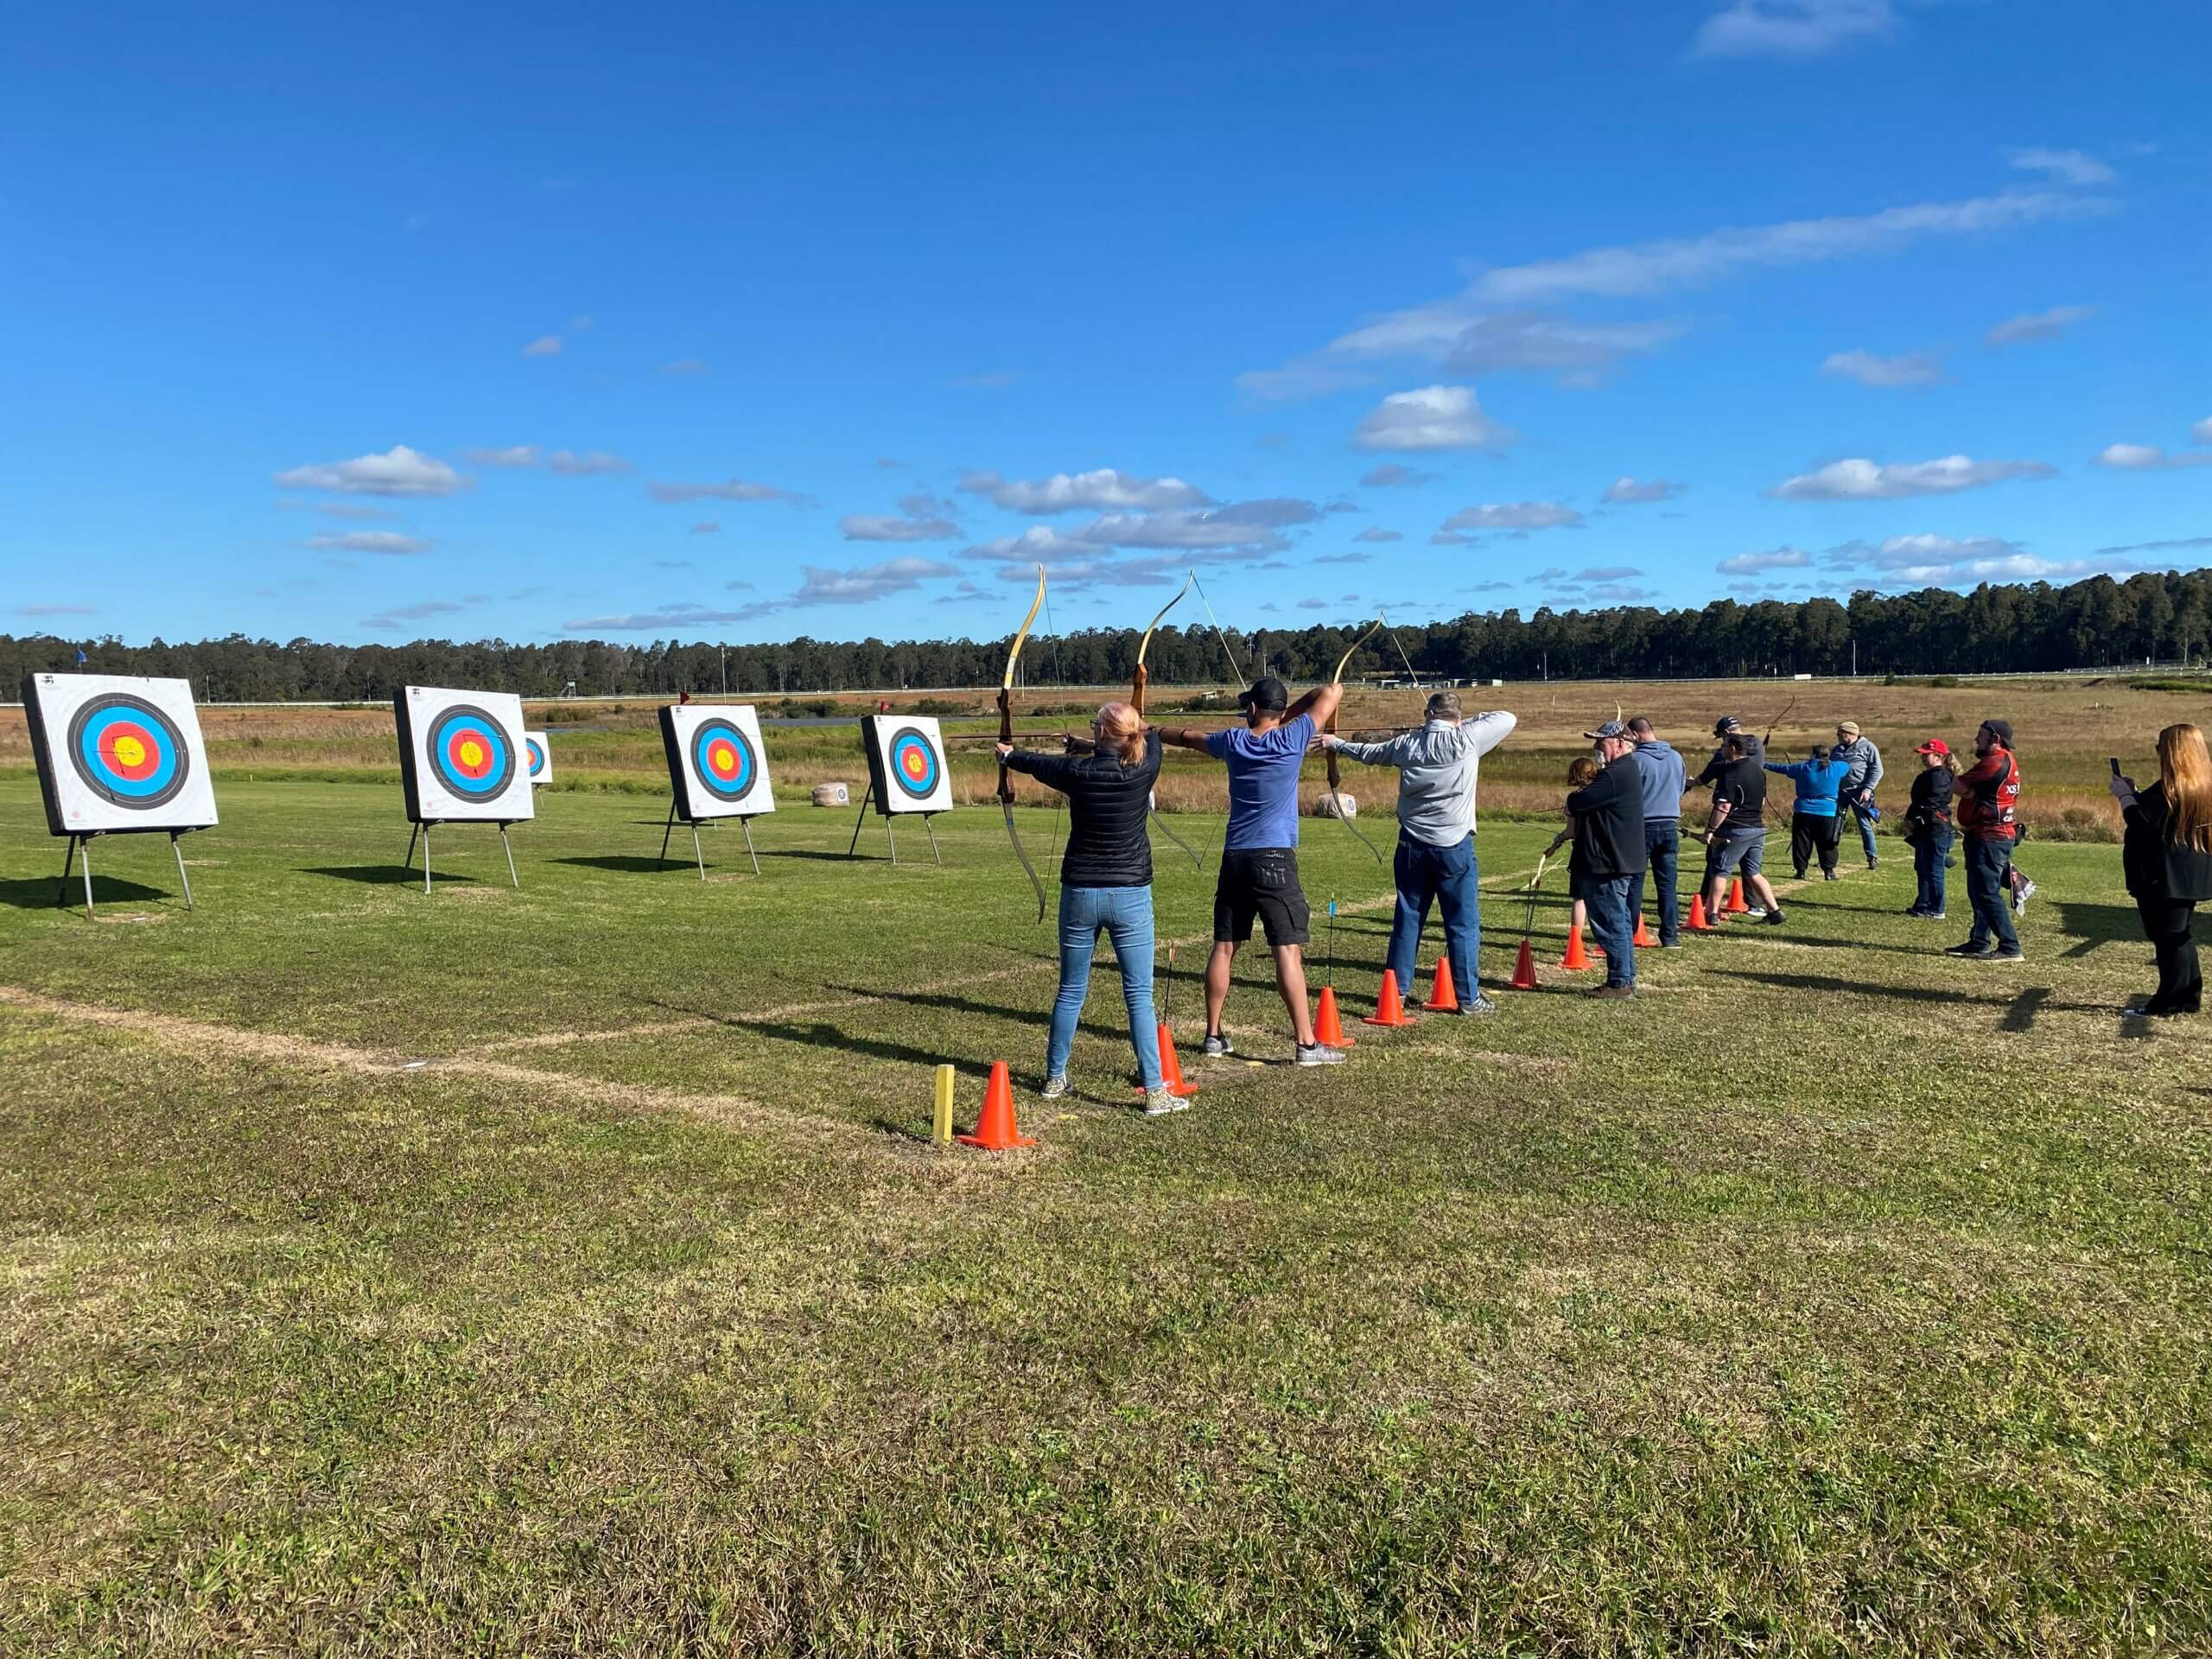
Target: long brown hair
{"x":2186,"y":772}
{"x":1121,"y":733}
{"x":1581,"y":772}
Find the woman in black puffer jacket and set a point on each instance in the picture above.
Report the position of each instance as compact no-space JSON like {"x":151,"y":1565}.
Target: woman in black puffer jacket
{"x":1105,"y":885}
{"x":2167,"y":858}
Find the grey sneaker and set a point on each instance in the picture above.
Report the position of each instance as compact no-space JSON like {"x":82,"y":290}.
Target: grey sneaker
{"x":1320,"y":1054}
{"x":1054,"y":1087}
{"x":1217,"y":1048}
{"x":1158,"y":1102}
{"x":1476,"y":1004}
{"x":1754,"y":912}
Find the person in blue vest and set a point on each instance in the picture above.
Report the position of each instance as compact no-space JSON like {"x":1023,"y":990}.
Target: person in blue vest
{"x":1813,"y":826}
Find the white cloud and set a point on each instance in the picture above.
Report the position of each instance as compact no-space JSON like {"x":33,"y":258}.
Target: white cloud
{"x":885,"y":527}
{"x":2148,"y":457}
{"x":684,"y":366}
{"x":1241,"y":524}
{"x":353,"y":510}
{"x":1615,"y":592}
{"x":516,"y":454}
{"x":1860,"y":479}
{"x":52,"y":610}
{"x":730,"y":489}
{"x":1376,"y":533}
{"x":580,"y":324}
{"x":1791,"y":28}
{"x":543,"y":346}
{"x":569,"y":464}
{"x":1750,"y":564}
{"x":990,"y":381}
{"x":399,"y":471}
{"x":1345,"y":558}
{"x":1513,"y":515}
{"x":1431,"y":417}
{"x":1389,"y":475}
{"x":371,"y":541}
{"x":1602,"y":572}
{"x":706,"y":527}
{"x":1952,"y":562}
{"x":2038,"y":325}
{"x":1629,"y":491}
{"x":668,"y":617}
{"x":2201,"y":432}
{"x":399,"y":615}
{"x":868,"y":582}
{"x":2186,"y":542}
{"x":1910,"y":369}
{"x":1576,"y":352}
{"x":1103,"y":490}
{"x":2063,"y":166}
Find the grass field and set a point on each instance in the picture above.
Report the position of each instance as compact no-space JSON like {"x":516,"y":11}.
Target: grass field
{"x":567,"y":1270}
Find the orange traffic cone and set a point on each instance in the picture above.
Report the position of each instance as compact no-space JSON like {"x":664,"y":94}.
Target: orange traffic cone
{"x":1736,"y":904}
{"x":995,"y":1129}
{"x":1524,"y":968}
{"x":1442,"y":997}
{"x":1171,"y":1067}
{"x":1389,"y":1011}
{"x":1576,"y":958}
{"x":1697,"y":924}
{"x":1327,"y":1027}
{"x":1643,"y":941}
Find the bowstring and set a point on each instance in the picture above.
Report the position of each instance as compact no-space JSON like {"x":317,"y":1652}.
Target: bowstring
{"x":1059,"y":676}
{"x":1221,"y":834}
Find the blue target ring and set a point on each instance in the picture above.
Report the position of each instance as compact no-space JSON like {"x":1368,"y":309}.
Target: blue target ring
{"x":128,"y":752}
{"x":537,"y":755}
{"x":915,"y":765}
{"x":469,"y":755}
{"x":723,"y":760}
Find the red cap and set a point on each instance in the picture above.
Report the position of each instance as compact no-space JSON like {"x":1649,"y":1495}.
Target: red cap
{"x":1933,"y":745}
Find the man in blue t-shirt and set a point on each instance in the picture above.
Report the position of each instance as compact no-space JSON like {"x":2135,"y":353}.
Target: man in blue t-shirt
{"x":1259,"y":859}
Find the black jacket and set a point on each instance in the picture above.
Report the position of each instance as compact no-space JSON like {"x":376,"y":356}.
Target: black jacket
{"x":1609,"y":824}
{"x":1929,"y":809}
{"x":1107,"y":803}
{"x":2155,"y":867}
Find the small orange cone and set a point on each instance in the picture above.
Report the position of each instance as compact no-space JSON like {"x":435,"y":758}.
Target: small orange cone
{"x":1736,"y":904}
{"x":1697,"y":924}
{"x":1524,"y":968}
{"x":1643,"y":941}
{"x":1171,"y":1067}
{"x":1442,"y":997}
{"x":994,"y":1130}
{"x":1576,"y":958}
{"x":1328,"y":1028}
{"x":1389,"y":1011}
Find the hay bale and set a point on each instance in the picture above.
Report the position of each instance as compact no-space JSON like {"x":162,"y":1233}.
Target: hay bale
{"x":832,"y":795}
{"x":1325,"y":804}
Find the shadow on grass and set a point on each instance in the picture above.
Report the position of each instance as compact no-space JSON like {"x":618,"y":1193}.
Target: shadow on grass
{"x":40,"y":892}
{"x":628,"y":864}
{"x":380,"y":876}
{"x":2097,"y":924}
{"x":2023,"y":1006}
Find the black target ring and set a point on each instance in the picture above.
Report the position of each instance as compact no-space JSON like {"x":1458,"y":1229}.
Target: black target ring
{"x":128,"y":752}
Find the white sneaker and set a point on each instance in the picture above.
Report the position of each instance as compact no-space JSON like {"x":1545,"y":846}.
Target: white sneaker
{"x":1158,"y":1102}
{"x":1320,"y":1054}
{"x":1054,"y":1087}
{"x":1756,"y":911}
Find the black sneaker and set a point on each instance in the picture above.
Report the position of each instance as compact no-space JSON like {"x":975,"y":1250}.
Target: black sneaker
{"x":1830,"y":875}
{"x":1873,"y":863}
{"x":2013,"y":955}
{"x":1971,"y":949}
{"x":1773,"y":917}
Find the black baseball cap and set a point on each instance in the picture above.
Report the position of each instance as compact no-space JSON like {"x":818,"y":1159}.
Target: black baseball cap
{"x":2001,"y":730}
{"x":1268,"y":695}
{"x":1725,"y":725}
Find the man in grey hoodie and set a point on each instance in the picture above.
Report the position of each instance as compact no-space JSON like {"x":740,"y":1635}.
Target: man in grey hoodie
{"x":1661,"y":773}
{"x":1437,"y":763}
{"x":1857,"y":794}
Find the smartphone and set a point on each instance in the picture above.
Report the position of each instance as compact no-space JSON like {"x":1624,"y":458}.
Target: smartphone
{"x":2115,"y":765}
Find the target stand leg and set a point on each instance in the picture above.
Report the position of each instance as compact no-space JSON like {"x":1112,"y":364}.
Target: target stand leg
{"x":176,"y":846}
{"x":669,"y":830}
{"x":890,"y":829}
{"x":88,"y":877}
{"x":745,"y":824}
{"x":932,"y":828}
{"x":867,"y":795}
{"x":414,"y":831}
{"x":697,"y":851}
{"x":426,"y":859}
{"x":69,"y":868}
{"x":509,"y":847}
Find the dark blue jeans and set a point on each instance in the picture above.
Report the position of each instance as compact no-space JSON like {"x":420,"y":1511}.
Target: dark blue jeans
{"x":1987,"y":862}
{"x":1927,"y":855}
{"x":1662,"y":840}
{"x":1865,"y":828}
{"x":1445,"y":876}
{"x":1614,"y":924}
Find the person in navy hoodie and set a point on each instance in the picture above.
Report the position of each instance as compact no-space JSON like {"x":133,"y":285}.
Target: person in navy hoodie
{"x":1813,"y":826}
{"x":1661,"y":771}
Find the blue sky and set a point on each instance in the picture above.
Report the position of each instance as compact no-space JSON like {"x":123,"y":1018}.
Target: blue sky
{"x":716,"y":323}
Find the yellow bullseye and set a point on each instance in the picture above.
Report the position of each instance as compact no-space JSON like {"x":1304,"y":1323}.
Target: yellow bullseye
{"x":471,"y":754}
{"x":129,"y":752}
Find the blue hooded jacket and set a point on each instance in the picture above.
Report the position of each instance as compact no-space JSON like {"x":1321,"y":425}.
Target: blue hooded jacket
{"x":1661,"y":769}
{"x":1817,"y":783}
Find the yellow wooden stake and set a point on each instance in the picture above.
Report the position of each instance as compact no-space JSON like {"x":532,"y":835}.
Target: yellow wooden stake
{"x":941,"y":1130}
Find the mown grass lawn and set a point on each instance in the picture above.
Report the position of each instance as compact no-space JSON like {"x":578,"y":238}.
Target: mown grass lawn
{"x":1833,"y":1297}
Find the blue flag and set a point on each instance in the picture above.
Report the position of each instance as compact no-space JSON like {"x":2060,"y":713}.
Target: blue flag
{"x":80,"y":656}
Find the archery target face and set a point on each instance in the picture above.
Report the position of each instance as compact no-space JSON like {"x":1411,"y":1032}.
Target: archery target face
{"x":909,"y":759}
{"x":716,"y":761}
{"x":462,"y":756}
{"x":537,"y":759}
{"x":117,"y":753}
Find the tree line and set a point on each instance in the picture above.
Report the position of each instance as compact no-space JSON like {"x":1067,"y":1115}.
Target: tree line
{"x":1997,"y":629}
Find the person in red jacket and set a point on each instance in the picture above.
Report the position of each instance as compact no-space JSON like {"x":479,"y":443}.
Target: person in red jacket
{"x":1985,"y":807}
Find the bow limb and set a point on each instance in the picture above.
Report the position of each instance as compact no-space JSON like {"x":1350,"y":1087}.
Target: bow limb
{"x":1136,"y":701}
{"x":1006,"y":736}
{"x":1334,"y":772}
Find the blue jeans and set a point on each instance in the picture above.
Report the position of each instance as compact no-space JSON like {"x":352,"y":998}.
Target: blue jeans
{"x":1987,"y":862}
{"x":1865,"y":828}
{"x":1614,"y":924}
{"x":1662,"y":840}
{"x":1927,"y":855}
{"x":1125,"y":915}
{"x":1445,"y":876}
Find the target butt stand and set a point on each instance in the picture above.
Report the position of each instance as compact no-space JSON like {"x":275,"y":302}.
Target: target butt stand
{"x":889,"y":819}
{"x":81,"y":844}
{"x":698,"y":851}
{"x":424,"y":827}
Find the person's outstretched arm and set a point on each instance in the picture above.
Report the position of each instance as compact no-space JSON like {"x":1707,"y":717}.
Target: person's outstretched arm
{"x":1320,"y":703}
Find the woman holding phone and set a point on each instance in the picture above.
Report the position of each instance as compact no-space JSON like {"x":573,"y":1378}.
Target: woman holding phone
{"x":2167,"y":858}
